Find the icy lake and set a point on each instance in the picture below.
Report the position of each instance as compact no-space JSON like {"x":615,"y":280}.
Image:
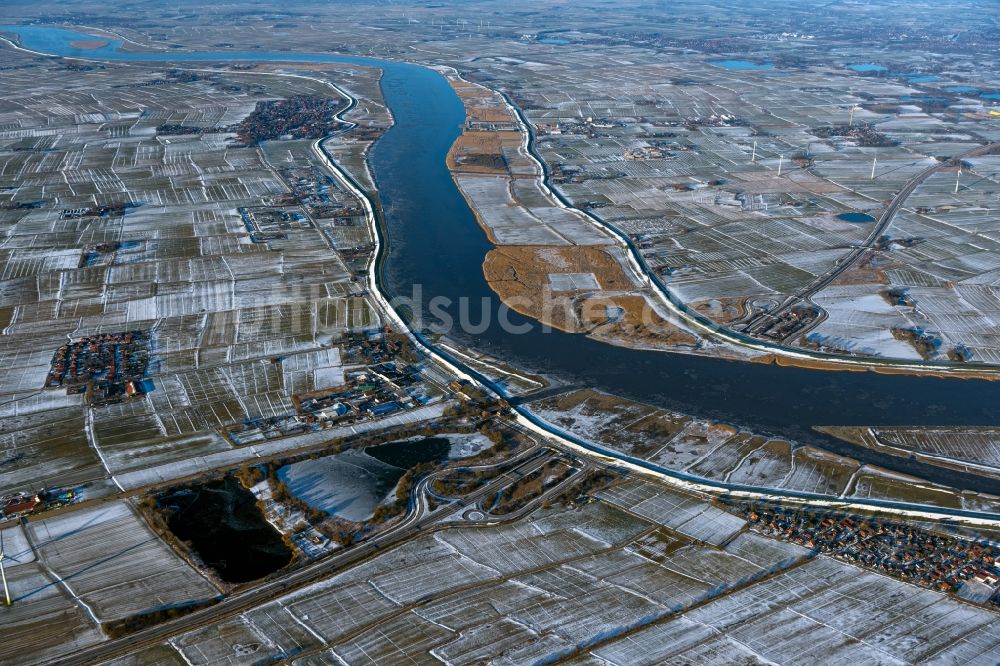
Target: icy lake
{"x":856,"y":217}
{"x":352,"y":484}
{"x":741,"y":65}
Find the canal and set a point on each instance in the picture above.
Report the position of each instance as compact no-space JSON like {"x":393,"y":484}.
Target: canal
{"x":436,"y":248}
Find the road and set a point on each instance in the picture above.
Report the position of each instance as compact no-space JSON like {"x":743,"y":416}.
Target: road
{"x":885,"y":219}
{"x":419,"y":517}
{"x":417,"y":520}
{"x":852,"y":257}
{"x":562,"y":438}
{"x":241,"y":601}
{"x":712,"y":330}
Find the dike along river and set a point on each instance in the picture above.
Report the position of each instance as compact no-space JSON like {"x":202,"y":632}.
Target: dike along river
{"x":435,"y":242}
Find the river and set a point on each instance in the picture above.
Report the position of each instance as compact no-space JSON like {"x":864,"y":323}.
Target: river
{"x":435,"y":242}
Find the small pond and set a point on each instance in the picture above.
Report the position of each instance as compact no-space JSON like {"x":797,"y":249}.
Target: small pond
{"x":226,"y":529}
{"x":856,"y":217}
{"x":741,"y":65}
{"x":868,"y":67}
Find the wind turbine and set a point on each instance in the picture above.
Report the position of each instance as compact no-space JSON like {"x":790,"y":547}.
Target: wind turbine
{"x":753,"y":156}
{"x":3,"y":574}
{"x":874,"y":162}
{"x":781,"y":160}
{"x":958,"y":177}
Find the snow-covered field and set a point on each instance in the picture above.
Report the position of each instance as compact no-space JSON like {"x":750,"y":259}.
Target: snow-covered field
{"x":546,"y":585}
{"x":86,"y":567}
{"x":694,"y":518}
{"x":113,"y":564}
{"x":349,"y":485}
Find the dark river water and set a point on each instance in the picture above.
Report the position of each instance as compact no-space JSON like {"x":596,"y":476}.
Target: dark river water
{"x":436,"y":244}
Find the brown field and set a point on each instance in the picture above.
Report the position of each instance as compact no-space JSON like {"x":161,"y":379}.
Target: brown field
{"x":481,"y":103}
{"x":852,"y":434}
{"x":900,"y":487}
{"x":960,"y":373}
{"x":862,"y":275}
{"x":481,"y":150}
{"x":595,"y":400}
{"x":466,"y":90}
{"x":521,"y":492}
{"x":490,"y":114}
{"x":814,"y":364}
{"x":722,"y":311}
{"x":88,"y":44}
{"x":519,"y":274}
{"x":638,"y":324}
{"x":806,"y":363}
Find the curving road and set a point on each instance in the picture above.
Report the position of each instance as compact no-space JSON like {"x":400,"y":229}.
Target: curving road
{"x":738,"y":338}
{"x":852,"y":257}
{"x":419,"y":517}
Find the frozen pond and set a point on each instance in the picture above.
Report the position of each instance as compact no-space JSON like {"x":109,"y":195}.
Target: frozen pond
{"x":741,"y":65}
{"x":351,"y":485}
{"x":436,"y":243}
{"x":868,"y":67}
{"x":856,"y":217}
{"x":226,"y":528}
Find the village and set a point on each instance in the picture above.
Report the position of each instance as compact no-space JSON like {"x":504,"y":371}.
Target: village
{"x":933,"y":560}
{"x":108,"y":368}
